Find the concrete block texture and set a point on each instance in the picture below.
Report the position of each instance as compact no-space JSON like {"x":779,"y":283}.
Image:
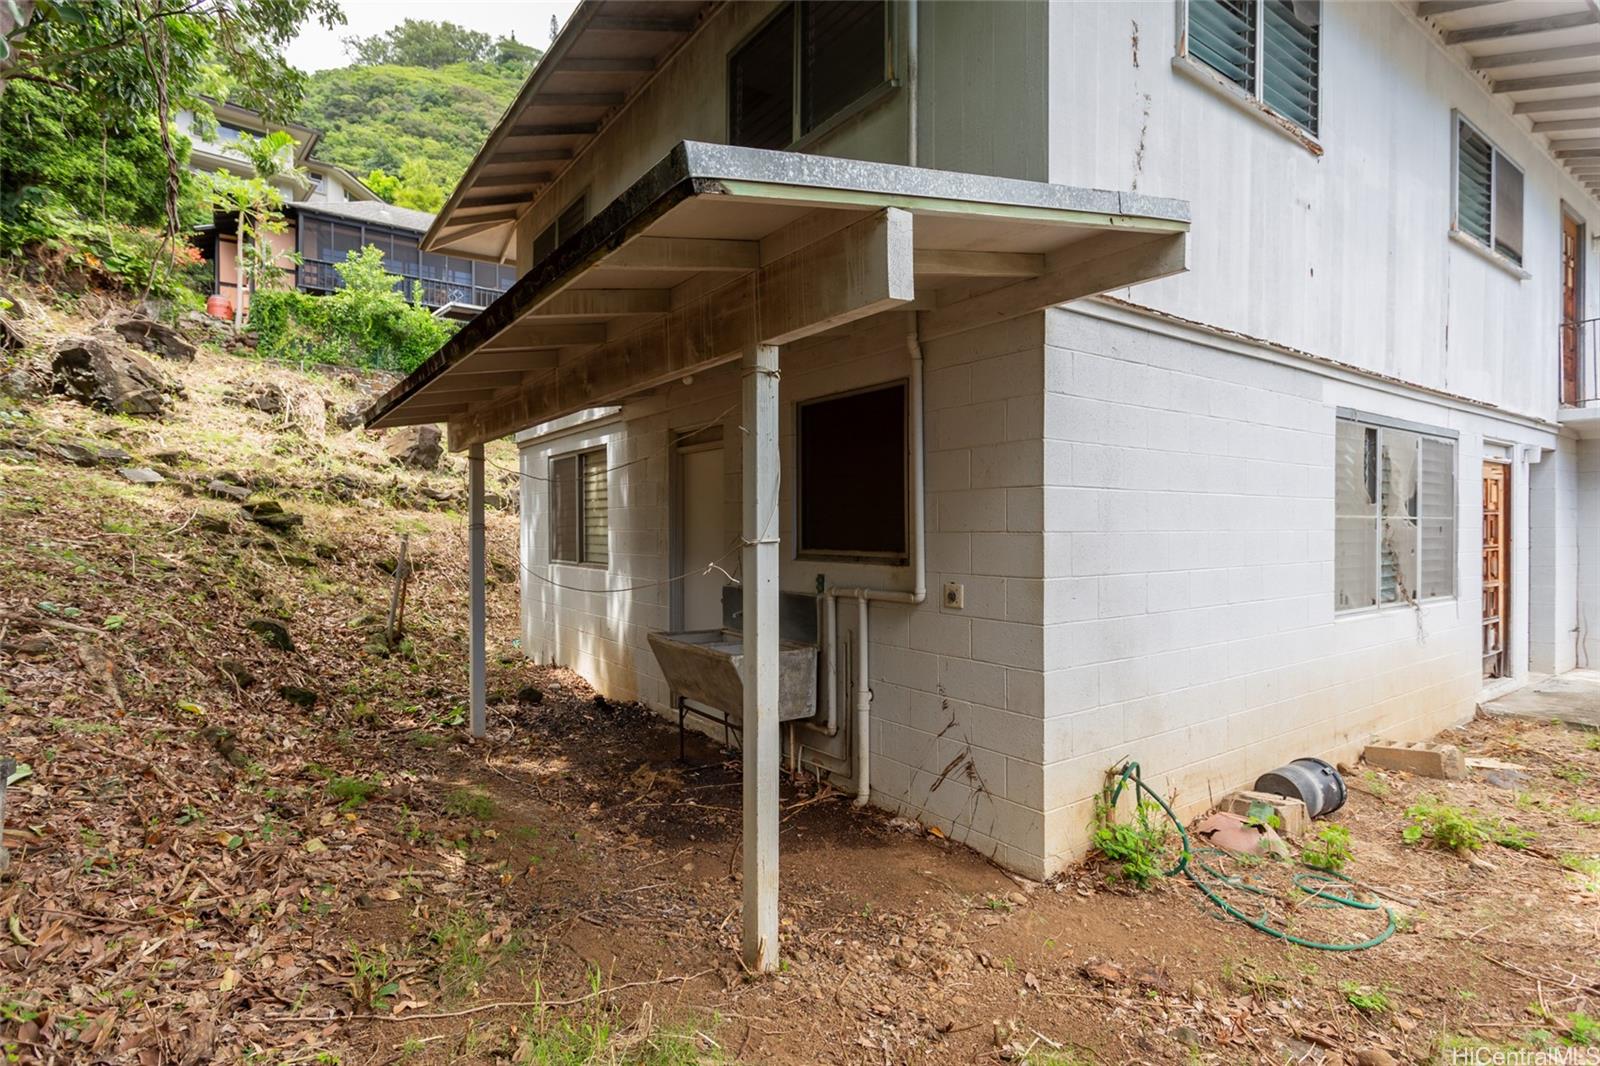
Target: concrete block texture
{"x":1443,"y":761}
{"x":1291,"y":813}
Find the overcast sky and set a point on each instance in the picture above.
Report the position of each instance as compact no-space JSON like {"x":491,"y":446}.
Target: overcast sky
{"x":526,"y":20}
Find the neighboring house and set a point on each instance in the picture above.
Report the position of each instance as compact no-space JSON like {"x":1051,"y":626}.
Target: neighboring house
{"x":1334,"y":481}
{"x":329,"y":215}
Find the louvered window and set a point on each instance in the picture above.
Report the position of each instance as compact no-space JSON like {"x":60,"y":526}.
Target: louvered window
{"x":810,"y":62}
{"x":1394,"y":515}
{"x":1270,"y":49}
{"x":1488,"y":193}
{"x":579,"y":502}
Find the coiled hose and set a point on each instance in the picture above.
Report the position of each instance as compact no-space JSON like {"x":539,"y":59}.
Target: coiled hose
{"x":1314,"y":883}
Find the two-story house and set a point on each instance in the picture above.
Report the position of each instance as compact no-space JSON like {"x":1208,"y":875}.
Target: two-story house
{"x":327,"y":215}
{"x":1275,"y":447}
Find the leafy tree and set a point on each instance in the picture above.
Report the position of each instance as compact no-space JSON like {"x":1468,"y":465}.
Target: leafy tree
{"x":133,"y":60}
{"x":381,"y":117}
{"x":421,"y":43}
{"x":414,"y":187}
{"x":257,"y":202}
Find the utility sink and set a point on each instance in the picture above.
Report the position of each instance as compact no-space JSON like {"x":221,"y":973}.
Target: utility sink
{"x":707,"y":666}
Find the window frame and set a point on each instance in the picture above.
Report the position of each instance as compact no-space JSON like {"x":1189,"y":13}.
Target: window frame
{"x":1253,"y":101}
{"x":881,"y":558}
{"x":578,"y":456}
{"x":800,"y":139}
{"x":1496,"y":155}
{"x":1449,"y":437}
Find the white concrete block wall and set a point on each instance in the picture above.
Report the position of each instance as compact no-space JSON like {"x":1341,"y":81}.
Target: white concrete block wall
{"x":1588,"y":552}
{"x":1189,"y":538}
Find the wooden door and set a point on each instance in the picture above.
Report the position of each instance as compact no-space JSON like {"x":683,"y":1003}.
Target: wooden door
{"x":1571,"y":302}
{"x":1496,"y":566}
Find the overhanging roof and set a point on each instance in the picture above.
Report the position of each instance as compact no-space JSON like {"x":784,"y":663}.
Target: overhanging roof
{"x":1541,"y":55}
{"x":607,"y":51}
{"x":648,"y":290}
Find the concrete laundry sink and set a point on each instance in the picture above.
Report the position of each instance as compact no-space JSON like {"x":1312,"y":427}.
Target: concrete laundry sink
{"x":707,"y":666}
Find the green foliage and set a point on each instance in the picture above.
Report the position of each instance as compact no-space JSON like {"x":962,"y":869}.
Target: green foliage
{"x":366,"y":323}
{"x":415,"y":187}
{"x":1456,"y":830}
{"x":470,"y":803}
{"x":352,"y":792}
{"x":1329,"y":849}
{"x":370,"y":986}
{"x":381,"y":117}
{"x":48,"y":139}
{"x":1136,"y":848}
{"x":424,"y":43}
{"x":1582,"y":1030}
{"x":1365,"y":998}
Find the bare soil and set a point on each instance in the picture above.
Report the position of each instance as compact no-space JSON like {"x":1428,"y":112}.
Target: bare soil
{"x":207,"y":872}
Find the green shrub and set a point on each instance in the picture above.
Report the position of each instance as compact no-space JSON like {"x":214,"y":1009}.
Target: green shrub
{"x":366,"y":323}
{"x":1329,"y":849}
{"x":1137,"y":847}
{"x":1365,"y":998}
{"x":470,"y":803}
{"x":1456,"y":830}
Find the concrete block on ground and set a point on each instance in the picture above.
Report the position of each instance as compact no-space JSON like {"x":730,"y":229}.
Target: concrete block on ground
{"x":1425,"y":759}
{"x":1291,"y":812}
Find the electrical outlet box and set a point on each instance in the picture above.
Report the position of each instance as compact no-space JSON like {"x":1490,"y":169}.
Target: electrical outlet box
{"x":955,"y":595}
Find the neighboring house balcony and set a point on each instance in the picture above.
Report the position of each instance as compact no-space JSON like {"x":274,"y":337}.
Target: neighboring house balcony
{"x":1580,"y":376}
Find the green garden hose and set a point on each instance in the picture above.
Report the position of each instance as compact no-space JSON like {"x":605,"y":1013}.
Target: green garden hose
{"x":1314,"y":883}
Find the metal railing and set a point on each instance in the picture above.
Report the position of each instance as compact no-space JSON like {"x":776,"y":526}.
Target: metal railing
{"x":1579,"y":362}
{"x":318,"y":275}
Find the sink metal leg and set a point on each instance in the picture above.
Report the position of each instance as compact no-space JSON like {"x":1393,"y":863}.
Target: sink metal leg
{"x":683,"y":712}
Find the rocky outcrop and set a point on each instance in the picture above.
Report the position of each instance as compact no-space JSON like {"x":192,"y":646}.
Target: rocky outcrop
{"x":418,"y":447}
{"x":153,"y":336}
{"x":101,"y":374}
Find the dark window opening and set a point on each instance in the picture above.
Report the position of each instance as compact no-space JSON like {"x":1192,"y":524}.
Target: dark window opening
{"x":825,"y":54}
{"x":579,"y":500}
{"x":852,"y":454}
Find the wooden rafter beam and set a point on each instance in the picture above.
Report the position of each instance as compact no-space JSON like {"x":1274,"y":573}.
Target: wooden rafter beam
{"x":1576,"y":142}
{"x":1536,"y":55}
{"x":1547,"y":81}
{"x":494,"y":199}
{"x":853,"y":274}
{"x":1519,"y":27}
{"x":948,"y":262}
{"x":602,"y":303}
{"x":621,"y":65}
{"x":1565,"y":103}
{"x":547,"y":99}
{"x":533,"y":155}
{"x":685,"y":253}
{"x":1433,"y":8}
{"x":1566,"y":125}
{"x":1098,"y":264}
{"x":641,"y":24}
{"x":553,"y":129}
{"x":526,"y":335}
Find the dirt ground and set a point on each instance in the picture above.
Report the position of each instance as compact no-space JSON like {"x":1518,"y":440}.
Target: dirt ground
{"x":317,"y":865}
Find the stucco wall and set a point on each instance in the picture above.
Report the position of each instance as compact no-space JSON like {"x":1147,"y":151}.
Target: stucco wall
{"x":1346,"y":254}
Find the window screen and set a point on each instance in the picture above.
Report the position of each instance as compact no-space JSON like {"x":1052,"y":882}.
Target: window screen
{"x":852,"y":452}
{"x":841,"y":56}
{"x":1394,"y":516}
{"x":1488,"y":193}
{"x":1268,"y":48}
{"x":579,"y":508}
{"x":825,"y":54}
{"x":761,"y":87}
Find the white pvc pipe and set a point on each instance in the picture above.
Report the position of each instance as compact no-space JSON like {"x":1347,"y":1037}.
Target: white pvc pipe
{"x":863,"y":710}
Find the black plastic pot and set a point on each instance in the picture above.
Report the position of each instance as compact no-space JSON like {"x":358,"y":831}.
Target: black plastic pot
{"x":1311,"y":781}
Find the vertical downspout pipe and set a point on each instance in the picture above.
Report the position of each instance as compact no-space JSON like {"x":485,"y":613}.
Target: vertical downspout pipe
{"x":864,"y":596}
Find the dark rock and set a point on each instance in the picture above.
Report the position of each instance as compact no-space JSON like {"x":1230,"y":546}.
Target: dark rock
{"x":115,"y":456}
{"x":494,"y":501}
{"x":263,"y":509}
{"x":530,"y":694}
{"x":267,"y":397}
{"x":225,"y":491}
{"x":171,"y":457}
{"x":213,"y":523}
{"x":14,"y":336}
{"x":300,"y":697}
{"x":282,"y":522}
{"x":24,"y":383}
{"x":237,"y":672}
{"x":443,"y":495}
{"x":418,"y":447}
{"x":97,"y":373}
{"x":272,"y":631}
{"x":76,"y":454}
{"x":15,"y":455}
{"x":153,"y":336}
{"x":140,"y":475}
{"x":351,"y":417}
